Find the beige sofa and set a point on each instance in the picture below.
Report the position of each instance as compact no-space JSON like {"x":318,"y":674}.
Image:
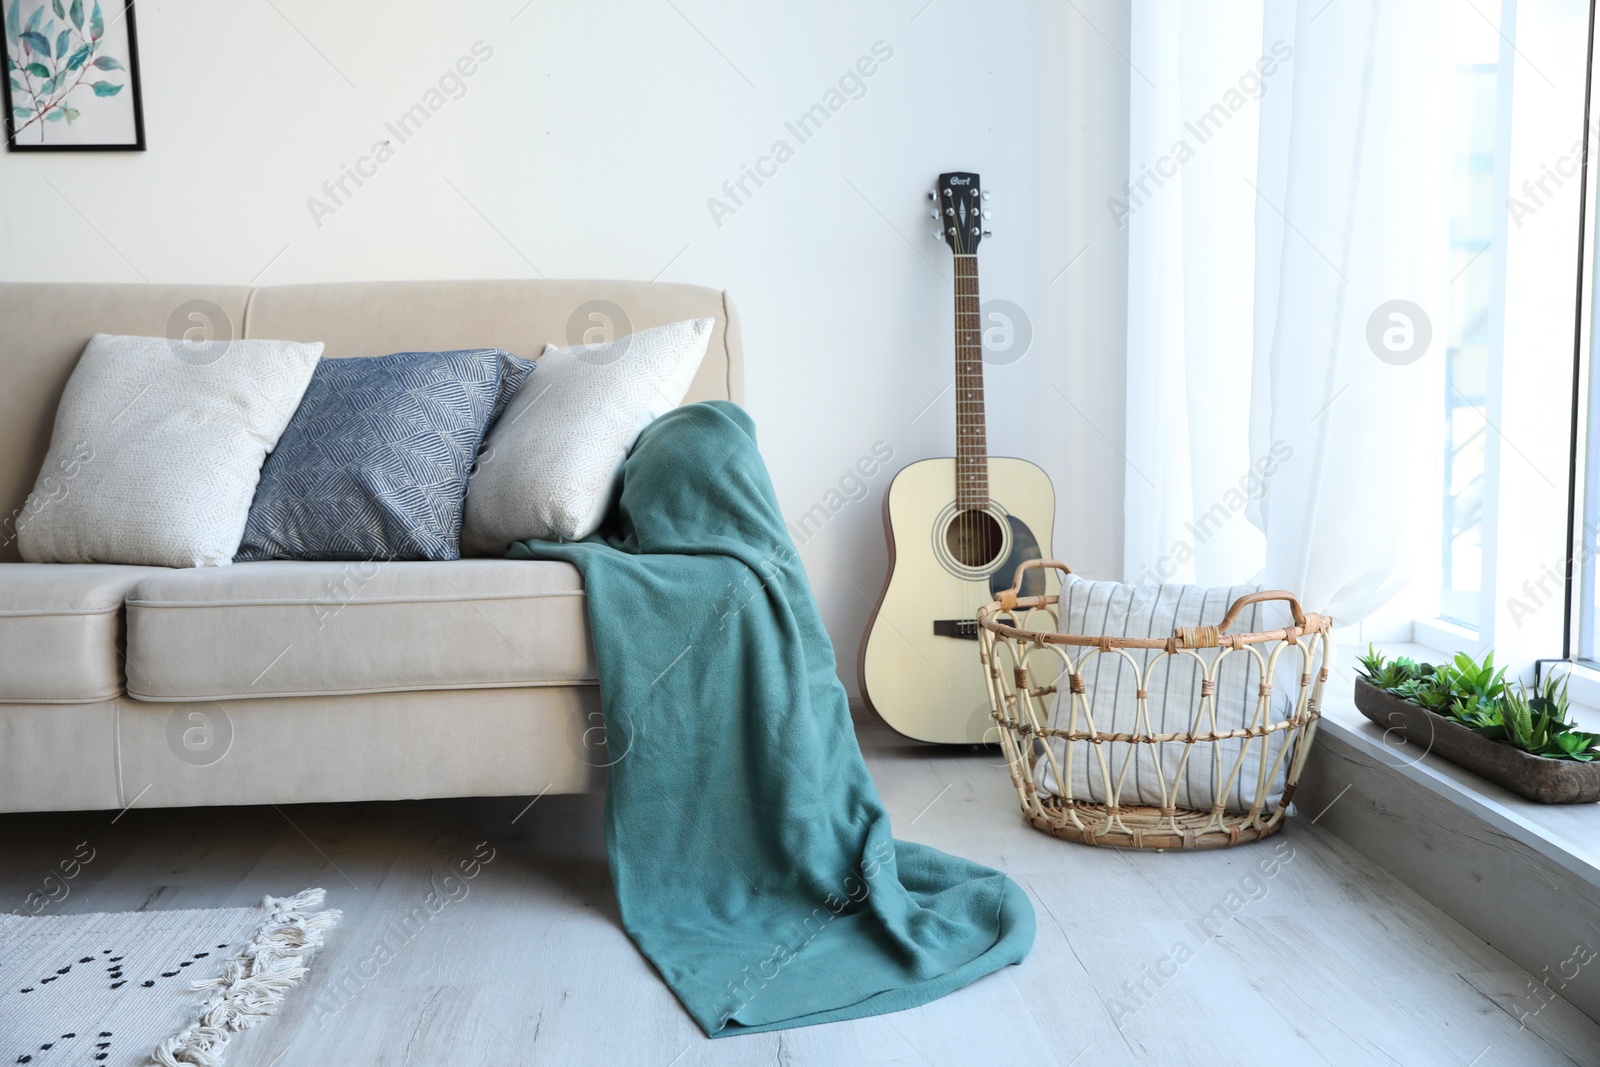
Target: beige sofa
{"x":292,"y":682}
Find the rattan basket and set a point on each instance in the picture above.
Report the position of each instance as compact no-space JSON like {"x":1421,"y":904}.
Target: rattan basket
{"x":1014,"y":657}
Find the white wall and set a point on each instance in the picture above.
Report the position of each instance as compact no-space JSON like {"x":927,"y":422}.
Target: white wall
{"x":588,"y":146}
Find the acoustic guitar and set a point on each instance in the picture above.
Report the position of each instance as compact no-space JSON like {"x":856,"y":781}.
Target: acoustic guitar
{"x":958,"y":529}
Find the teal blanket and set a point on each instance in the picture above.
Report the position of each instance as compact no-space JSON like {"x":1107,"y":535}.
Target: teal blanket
{"x":752,"y":859}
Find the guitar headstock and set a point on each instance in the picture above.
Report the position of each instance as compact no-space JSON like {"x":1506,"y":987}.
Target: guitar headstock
{"x":958,"y":209}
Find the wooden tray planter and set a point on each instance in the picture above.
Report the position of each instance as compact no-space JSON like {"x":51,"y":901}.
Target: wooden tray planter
{"x":1539,"y":778}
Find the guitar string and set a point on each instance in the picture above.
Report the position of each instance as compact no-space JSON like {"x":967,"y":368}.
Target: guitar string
{"x":963,"y":398}
{"x":974,"y":383}
{"x":956,"y":248}
{"x":976,"y":526}
{"x":978,"y":446}
{"x":948,"y":203}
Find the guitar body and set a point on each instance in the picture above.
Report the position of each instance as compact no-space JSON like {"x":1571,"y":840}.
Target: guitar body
{"x":944,"y":564}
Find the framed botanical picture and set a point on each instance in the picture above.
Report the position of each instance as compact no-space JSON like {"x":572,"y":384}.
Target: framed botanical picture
{"x":72,"y":77}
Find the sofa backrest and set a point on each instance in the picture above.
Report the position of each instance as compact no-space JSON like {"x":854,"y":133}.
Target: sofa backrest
{"x":44,"y":326}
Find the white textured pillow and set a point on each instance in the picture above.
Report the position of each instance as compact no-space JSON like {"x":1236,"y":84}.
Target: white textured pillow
{"x":154,"y":459}
{"x":550,"y":464}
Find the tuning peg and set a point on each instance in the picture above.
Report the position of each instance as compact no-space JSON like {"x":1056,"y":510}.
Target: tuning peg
{"x":986,"y":213}
{"x":933,"y":214}
{"x":932,"y":195}
{"x":986,"y":233}
{"x":986,"y":194}
{"x":936,"y":233}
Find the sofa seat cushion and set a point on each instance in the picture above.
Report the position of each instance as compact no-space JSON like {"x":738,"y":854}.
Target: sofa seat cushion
{"x":294,"y":628}
{"x":61,"y":630}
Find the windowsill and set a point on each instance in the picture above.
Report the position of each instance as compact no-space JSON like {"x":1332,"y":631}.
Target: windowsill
{"x":1567,"y":834}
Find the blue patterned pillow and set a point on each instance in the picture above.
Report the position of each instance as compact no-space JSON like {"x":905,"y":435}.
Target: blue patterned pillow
{"x":374,"y":464}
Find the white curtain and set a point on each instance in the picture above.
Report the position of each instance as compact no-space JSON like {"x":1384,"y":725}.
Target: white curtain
{"x":1288,"y":181}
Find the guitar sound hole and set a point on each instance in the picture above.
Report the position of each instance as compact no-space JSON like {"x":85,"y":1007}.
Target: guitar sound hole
{"x":974,"y":538}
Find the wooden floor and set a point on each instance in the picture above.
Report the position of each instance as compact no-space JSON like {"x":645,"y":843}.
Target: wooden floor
{"x":1327,"y":961}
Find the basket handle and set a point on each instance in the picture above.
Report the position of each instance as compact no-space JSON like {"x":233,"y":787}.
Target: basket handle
{"x":1257,"y":598}
{"x":1008,"y":599}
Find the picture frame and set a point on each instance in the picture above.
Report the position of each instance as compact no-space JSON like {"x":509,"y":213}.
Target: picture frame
{"x":72,"y":76}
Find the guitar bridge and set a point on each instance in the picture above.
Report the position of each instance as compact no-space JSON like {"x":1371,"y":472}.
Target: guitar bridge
{"x":961,"y":629}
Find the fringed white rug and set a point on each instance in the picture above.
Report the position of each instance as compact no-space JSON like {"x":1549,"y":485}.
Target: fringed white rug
{"x":142,"y":987}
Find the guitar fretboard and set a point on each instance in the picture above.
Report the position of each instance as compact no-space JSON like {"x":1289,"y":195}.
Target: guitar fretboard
{"x":972,"y":447}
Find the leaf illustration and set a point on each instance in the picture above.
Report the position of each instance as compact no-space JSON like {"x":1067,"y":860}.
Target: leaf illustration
{"x":36,"y":43}
{"x":14,"y":21}
{"x":22,"y":112}
{"x":16,"y":86}
{"x":61,"y":42}
{"x":77,"y":13}
{"x":108,"y":63}
{"x":96,"y":25}
{"x":33,"y":20}
{"x":55,"y":5}
{"x":54,"y":116}
{"x":72,"y":113}
{"x":105,"y":88}
{"x":78,"y":57}
{"x":38,"y":70}
{"x":47,"y":87}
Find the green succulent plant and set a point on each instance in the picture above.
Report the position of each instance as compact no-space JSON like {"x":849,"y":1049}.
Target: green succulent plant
{"x":1480,"y":715}
{"x":1477,"y":696}
{"x":1467,"y":676}
{"x":1435,"y":694}
{"x":1391,"y":675}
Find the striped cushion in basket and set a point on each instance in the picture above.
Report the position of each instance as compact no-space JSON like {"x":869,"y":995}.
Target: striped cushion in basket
{"x":1174,"y":696}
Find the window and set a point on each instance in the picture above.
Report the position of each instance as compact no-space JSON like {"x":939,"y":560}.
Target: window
{"x":1490,"y":569}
